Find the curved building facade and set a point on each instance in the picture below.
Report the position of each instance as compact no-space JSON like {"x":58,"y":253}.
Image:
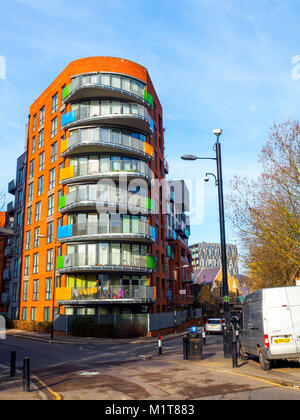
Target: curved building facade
{"x":94,"y":233}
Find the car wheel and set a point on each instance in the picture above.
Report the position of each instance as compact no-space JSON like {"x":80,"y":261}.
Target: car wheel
{"x":264,"y":363}
{"x":243,"y":354}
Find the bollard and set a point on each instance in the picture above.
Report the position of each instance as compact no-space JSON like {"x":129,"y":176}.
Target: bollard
{"x":13,"y":357}
{"x":234,"y":349}
{"x":185,"y":347}
{"x":159,"y":345}
{"x":26,"y":374}
{"x":204,"y":337}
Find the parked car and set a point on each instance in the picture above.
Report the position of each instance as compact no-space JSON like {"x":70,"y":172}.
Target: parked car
{"x":214,"y":325}
{"x":270,"y":325}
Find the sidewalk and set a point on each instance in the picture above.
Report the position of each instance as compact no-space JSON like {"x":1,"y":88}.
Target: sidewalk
{"x":12,"y":388}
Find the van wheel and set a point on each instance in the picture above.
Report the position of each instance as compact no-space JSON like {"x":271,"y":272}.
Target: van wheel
{"x":243,"y":354}
{"x":264,"y":363}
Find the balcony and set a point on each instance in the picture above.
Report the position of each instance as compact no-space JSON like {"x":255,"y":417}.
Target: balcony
{"x":107,"y":85}
{"x":11,"y":207}
{"x":85,"y":198}
{"x":12,"y":187}
{"x":94,"y":172}
{"x":8,"y":251}
{"x":6,"y":274}
{"x":118,"y":113}
{"x":106,"y":140}
{"x":117,"y":294}
{"x":83,"y":262}
{"x":137,"y":230}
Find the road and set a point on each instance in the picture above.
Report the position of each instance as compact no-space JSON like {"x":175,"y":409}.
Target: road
{"x":134,"y":371}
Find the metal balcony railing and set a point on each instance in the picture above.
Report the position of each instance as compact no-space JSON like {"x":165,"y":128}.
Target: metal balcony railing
{"x":116,"y":292}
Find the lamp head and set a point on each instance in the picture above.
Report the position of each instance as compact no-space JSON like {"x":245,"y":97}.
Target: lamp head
{"x":189,"y":157}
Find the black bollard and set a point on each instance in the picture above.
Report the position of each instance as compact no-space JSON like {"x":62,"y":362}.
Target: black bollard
{"x":13,"y":357}
{"x":204,"y":337}
{"x":26,"y":374}
{"x":185,"y":347}
{"x":234,"y":349}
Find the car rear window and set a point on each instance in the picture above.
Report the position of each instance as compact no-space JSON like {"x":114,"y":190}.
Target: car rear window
{"x":214,"y":321}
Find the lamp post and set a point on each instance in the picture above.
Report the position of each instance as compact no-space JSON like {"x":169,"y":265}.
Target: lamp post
{"x":53,"y":285}
{"x":219,"y":183}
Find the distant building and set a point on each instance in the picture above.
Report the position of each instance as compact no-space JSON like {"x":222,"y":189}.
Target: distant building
{"x":208,"y":255}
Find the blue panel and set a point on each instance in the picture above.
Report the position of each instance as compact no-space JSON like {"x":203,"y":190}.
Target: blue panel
{"x":174,"y":235}
{"x":153,"y":233}
{"x":64,"y":231}
{"x":68,"y":118}
{"x":151,"y":124}
{"x":187,"y":233}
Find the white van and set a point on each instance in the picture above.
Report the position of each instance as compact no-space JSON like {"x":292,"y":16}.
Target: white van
{"x":270,"y":325}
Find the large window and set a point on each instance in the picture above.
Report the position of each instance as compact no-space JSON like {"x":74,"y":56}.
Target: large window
{"x":54,"y":103}
{"x":35,"y":268}
{"x":48,"y":289}
{"x":35,"y":296}
{"x":42,"y":115}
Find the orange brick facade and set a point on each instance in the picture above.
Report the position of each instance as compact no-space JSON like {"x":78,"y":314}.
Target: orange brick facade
{"x":31,"y":248}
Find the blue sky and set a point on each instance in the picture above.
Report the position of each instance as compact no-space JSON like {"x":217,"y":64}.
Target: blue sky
{"x":214,"y":63}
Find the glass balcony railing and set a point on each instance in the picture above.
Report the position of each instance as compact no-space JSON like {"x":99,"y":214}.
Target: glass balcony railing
{"x":108,"y":168}
{"x":110,"y":292}
{"x":136,"y":228}
{"x":108,"y":138}
{"x":121,"y":85}
{"x":109,"y":109}
{"x":88,"y":196}
{"x":83,"y":261}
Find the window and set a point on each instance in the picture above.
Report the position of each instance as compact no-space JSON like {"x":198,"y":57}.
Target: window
{"x":49,"y":232}
{"x":35,"y":290}
{"x":48,"y":289}
{"x":47,"y":314}
{"x":24,"y":314}
{"x":51,"y":205}
{"x":26,"y":266}
{"x":41,"y":138}
{"x":14,"y":292}
{"x":29,"y":215}
{"x":34,"y":123}
{"x":33,"y":314}
{"x":21,"y":176}
{"x":54,"y":127}
{"x":115,"y":254}
{"x":36,"y":237}
{"x":28,"y":241}
{"x":31,"y":169}
{"x":20,"y":199}
{"x":54,"y":102}
{"x":50,"y":260}
{"x":30,"y":192}
{"x":16,"y":267}
{"x":38,"y":211}
{"x":40,"y":185}
{"x":52,"y":179}
{"x":42,"y":161}
{"x":25,"y":291}
{"x":35,"y":269}
{"x":53,"y":152}
{"x":42,"y":116}
{"x":33,"y":145}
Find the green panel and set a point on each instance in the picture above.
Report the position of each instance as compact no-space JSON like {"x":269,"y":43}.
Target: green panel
{"x":169,"y":251}
{"x":60,"y":262}
{"x":150,"y":204}
{"x":62,"y":202}
{"x":150,"y":262}
{"x":65,"y":92}
{"x":148,"y":97}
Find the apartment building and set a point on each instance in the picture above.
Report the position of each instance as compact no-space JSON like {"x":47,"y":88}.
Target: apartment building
{"x":94,"y":226}
{"x":208,"y":255}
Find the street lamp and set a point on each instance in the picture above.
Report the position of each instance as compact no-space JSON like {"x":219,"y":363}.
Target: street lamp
{"x":53,"y":286}
{"x":219,"y":184}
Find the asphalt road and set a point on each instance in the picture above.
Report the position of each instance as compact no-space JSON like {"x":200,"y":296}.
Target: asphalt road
{"x":135,"y":371}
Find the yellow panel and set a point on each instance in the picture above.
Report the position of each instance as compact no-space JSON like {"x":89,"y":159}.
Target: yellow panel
{"x":71,"y":281}
{"x":148,"y":149}
{"x":64,"y":146}
{"x":80,"y":282}
{"x":67,"y":173}
{"x":63,"y":293}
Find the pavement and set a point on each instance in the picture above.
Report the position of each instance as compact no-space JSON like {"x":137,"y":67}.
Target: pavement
{"x":156,"y":378}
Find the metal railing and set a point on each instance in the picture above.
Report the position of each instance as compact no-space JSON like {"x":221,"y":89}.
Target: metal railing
{"x":138,"y":228}
{"x":83,"y":259}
